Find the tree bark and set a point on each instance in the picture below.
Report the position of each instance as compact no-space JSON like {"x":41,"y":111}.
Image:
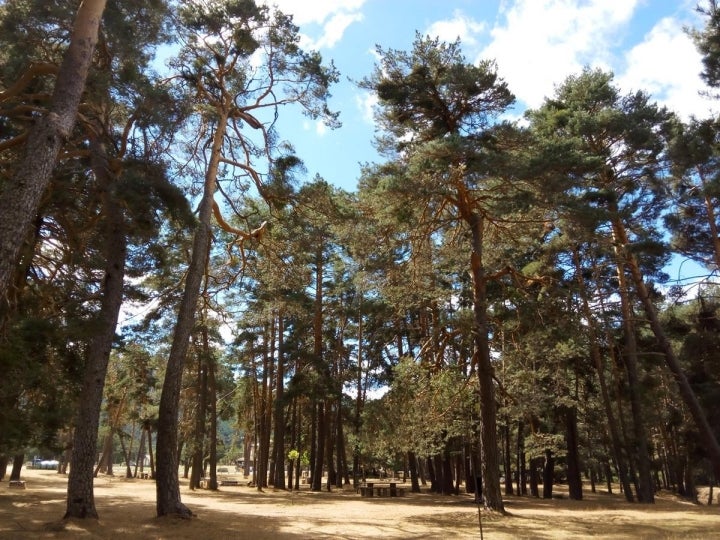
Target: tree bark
{"x":212,"y":409}
{"x":597,"y":358}
{"x":573,"y":458}
{"x":712,"y":447}
{"x":548,"y":474}
{"x":20,"y":199}
{"x":489,"y":460}
{"x":80,"y":498}
{"x":645,"y":492}
{"x":319,"y":460}
{"x":18,"y":460}
{"x":198,"y":442}
{"x":168,"y":483}
{"x":279,"y":434}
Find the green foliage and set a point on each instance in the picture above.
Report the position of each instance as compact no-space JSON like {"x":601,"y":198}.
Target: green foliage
{"x":707,"y":41}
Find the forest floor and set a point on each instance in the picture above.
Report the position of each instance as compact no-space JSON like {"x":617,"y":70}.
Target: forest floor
{"x":127,"y":511}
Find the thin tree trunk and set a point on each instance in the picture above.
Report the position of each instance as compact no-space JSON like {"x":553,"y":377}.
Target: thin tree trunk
{"x":645,"y":489}
{"x":521,"y":464}
{"x":319,"y":461}
{"x":212,"y":406}
{"x":489,"y":462}
{"x":198,"y":440}
{"x":359,"y":398}
{"x":279,"y":434}
{"x":140,"y":460}
{"x":317,"y":472}
{"x":126,"y":455}
{"x":712,"y":447}
{"x":597,"y":358}
{"x":151,"y":453}
{"x":168,"y":483}
{"x":104,"y":464}
{"x":507,"y":458}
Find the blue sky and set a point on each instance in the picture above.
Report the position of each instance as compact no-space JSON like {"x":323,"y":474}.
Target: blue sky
{"x":536,"y":44}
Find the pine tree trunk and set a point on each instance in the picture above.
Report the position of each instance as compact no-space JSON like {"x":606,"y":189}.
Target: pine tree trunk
{"x":150,"y":452}
{"x":489,"y":462}
{"x":534,"y":477}
{"x":597,"y":358}
{"x":80,"y":498}
{"x":140,"y":459}
{"x":126,"y":455}
{"x":329,"y":445}
{"x":279,"y":434}
{"x":212,"y":406}
{"x":18,"y":460}
{"x":321,"y":433}
{"x":712,"y":447}
{"x":168,"y":483}
{"x":548,"y":474}
{"x":507,"y":458}
{"x":573,"y":458}
{"x":198,"y":439}
{"x":20,"y":199}
{"x":645,"y":491}
{"x":318,"y":467}
{"x":521,"y":463}
{"x":412,"y":465}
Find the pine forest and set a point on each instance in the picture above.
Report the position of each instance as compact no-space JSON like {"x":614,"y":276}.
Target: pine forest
{"x":489,"y":312}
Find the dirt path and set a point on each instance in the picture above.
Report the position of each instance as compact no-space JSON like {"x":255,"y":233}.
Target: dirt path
{"x":127,"y":510}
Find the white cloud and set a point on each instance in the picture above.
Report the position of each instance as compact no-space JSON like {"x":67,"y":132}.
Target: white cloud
{"x":541,"y":42}
{"x":334,"y":16}
{"x":320,"y":128}
{"x":667,"y":65}
{"x":315,"y":11}
{"x":460,"y":26}
{"x":334,"y":29}
{"x":366,"y":103}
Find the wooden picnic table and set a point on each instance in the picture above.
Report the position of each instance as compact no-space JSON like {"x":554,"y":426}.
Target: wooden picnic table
{"x":380,"y":489}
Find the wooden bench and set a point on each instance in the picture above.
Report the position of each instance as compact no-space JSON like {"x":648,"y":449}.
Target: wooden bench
{"x":20,"y":484}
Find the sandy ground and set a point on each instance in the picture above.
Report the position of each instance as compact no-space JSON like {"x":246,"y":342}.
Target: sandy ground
{"x":127,"y":511}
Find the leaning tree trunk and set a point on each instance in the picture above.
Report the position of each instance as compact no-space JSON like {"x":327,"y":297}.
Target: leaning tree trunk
{"x":597,"y":358}
{"x":80,"y":498}
{"x":712,"y":447}
{"x":18,"y":460}
{"x":20,"y":199}
{"x":646,"y":493}
{"x":489,"y":460}
{"x":168,"y":483}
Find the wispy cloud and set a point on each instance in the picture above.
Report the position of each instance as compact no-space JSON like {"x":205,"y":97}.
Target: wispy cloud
{"x":333,"y":16}
{"x":460,"y":26}
{"x":366,"y":102}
